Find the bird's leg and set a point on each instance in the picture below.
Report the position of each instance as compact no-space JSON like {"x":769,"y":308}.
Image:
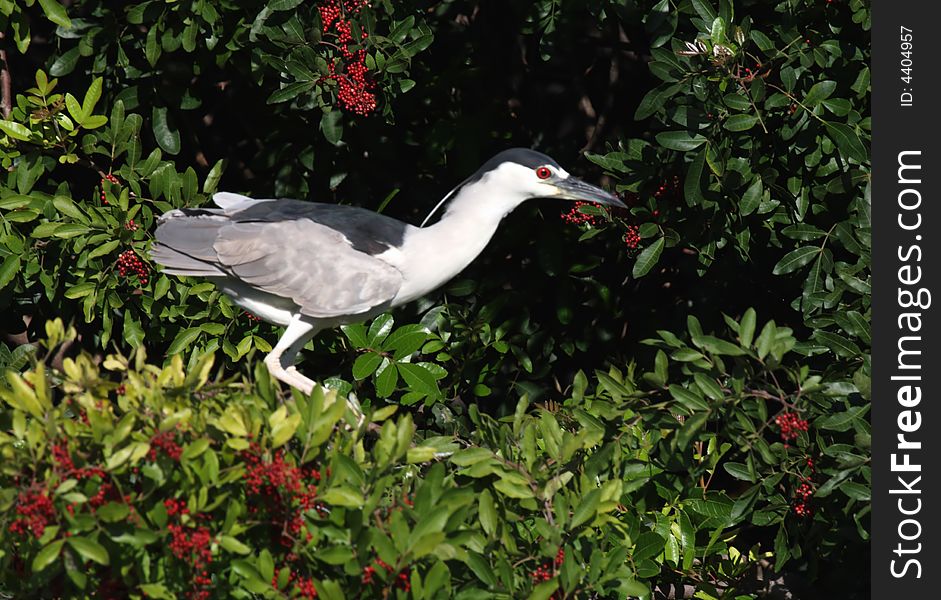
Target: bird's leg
{"x":280,"y":361}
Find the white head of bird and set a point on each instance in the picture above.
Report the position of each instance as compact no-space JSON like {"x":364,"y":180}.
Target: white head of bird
{"x":310,"y":266}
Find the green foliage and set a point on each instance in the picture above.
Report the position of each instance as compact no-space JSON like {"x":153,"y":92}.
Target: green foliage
{"x":594,"y":409}
{"x":610,"y":492}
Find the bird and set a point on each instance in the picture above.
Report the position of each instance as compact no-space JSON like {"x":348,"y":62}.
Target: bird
{"x":310,"y":266}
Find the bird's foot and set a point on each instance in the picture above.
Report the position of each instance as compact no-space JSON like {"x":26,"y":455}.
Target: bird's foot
{"x":294,"y":378}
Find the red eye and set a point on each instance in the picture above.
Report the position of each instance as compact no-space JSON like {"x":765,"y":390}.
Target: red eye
{"x":543,"y":173}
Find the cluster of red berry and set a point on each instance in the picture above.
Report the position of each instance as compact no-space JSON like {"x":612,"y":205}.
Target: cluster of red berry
{"x":668,"y":188}
{"x":804,"y":491}
{"x":802,"y":507}
{"x":355,"y":89}
{"x":192,"y":545}
{"x":403,"y":580}
{"x":129,"y":263}
{"x":303,"y":586}
{"x":66,"y":469}
{"x":34,"y":511}
{"x":131,"y":225}
{"x":287,"y":491}
{"x":250,"y":316}
{"x":791,"y":425}
{"x":112,"y":179}
{"x":165,"y":441}
{"x":547,"y":570}
{"x":746,"y":74}
{"x":632,"y":236}
{"x":104,"y":493}
{"x":574,"y":216}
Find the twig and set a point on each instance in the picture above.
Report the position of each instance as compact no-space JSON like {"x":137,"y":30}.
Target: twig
{"x":6,"y":82}
{"x":614,"y":75}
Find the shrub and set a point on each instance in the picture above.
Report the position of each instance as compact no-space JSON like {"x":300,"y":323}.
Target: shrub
{"x":639,"y":430}
{"x":191,"y":484}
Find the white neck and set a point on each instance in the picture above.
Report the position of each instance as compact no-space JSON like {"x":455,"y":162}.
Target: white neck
{"x":431,"y":256}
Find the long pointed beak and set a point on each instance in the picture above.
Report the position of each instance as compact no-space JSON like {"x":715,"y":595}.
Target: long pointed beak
{"x":572,"y":188}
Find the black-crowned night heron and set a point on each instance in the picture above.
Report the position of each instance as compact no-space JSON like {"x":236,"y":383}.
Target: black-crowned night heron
{"x":310,"y":266}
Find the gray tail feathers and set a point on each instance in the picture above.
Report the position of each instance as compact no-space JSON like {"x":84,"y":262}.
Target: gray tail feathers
{"x":185,"y":239}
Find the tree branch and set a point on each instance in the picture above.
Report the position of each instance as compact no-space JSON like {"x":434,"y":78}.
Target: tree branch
{"x":6,"y":82}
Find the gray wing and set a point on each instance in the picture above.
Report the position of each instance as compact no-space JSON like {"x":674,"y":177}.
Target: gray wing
{"x":314,"y":265}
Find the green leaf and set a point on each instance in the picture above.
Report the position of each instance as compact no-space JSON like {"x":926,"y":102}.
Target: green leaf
{"x":133,"y":332}
{"x":89,"y":549}
{"x":356,"y":333}
{"x":75,"y":109}
{"x":366,"y":364}
{"x":803,"y":232}
{"x":9,"y":269}
{"x":212,"y":179}
{"x":183,"y":339}
{"x":680,"y":140}
{"x":233,"y":545}
{"x":751,"y":199}
{"x":419,"y":379}
{"x":65,"y":63}
{"x":406,"y":340}
{"x":68,"y":208}
{"x":544,"y":590}
{"x":91,"y":97}
{"x":378,"y":330}
{"x":647,"y":259}
{"x":278,"y":5}
{"x":152,"y":49}
{"x":284,"y":431}
{"x":15,"y":130}
{"x":746,"y":330}
{"x":795,"y":259}
{"x":47,"y":555}
{"x":708,"y":386}
{"x":649,"y":544}
{"x":716,"y":345}
{"x":167,"y":136}
{"x":705,"y":10}
{"x":487,"y":512}
{"x":158,"y":591}
{"x":481,"y":568}
{"x":740,"y":122}
{"x":290,"y":91}
{"x":840,"y":345}
{"x":691,"y":399}
{"x":512,"y":489}
{"x":819,"y":92}
{"x":113,"y":512}
{"x":386,"y":379}
{"x":841,"y":421}
{"x":655,"y":99}
{"x":342,"y":496}
{"x":848,"y":141}
{"x":56,"y":13}
{"x":736,"y":101}
{"x":692,"y":185}
{"x":690,"y":428}
{"x":331,"y":124}
{"x":104,"y":249}
{"x":738,"y":471}
{"x":586,"y":508}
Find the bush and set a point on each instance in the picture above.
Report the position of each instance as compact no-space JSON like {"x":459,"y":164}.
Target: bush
{"x":190,"y":484}
{"x":639,"y":431}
